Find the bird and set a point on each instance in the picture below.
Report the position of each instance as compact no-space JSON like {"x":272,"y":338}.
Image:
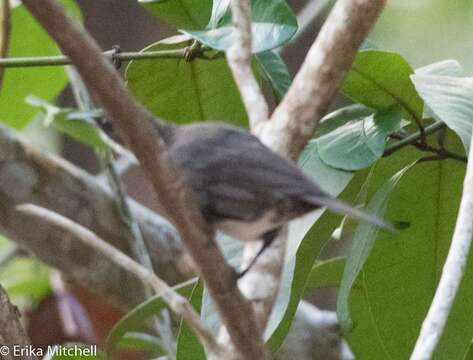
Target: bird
{"x":242,"y":187}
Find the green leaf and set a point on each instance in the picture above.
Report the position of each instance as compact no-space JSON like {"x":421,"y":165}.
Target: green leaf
{"x":26,"y":281}
{"x":219,"y":8}
{"x":77,"y":125}
{"x":135,"y":319}
{"x":307,"y":253}
{"x":441,"y":68}
{"x":188,"y":345}
{"x":380,"y":79}
{"x":401,"y":274}
{"x":363,"y":241}
{"x":341,"y":116}
{"x":469,"y":352}
{"x":275,"y":71}
{"x":273,"y":23}
{"x":182,"y":14}
{"x":142,"y":341}
{"x":182,"y":91}
{"x":451,"y":101}
{"x":326,"y":274}
{"x":29,"y":39}
{"x":360,"y":142}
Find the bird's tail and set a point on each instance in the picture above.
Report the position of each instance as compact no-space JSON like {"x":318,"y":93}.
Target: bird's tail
{"x":342,"y":208}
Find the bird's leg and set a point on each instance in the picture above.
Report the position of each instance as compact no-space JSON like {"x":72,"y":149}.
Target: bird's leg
{"x":268,"y":238}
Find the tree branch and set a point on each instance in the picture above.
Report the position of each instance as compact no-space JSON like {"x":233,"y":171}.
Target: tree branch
{"x":86,"y":197}
{"x":134,"y":122}
{"x":176,"y":302}
{"x":239,"y":60}
{"x":316,"y":84}
{"x":295,"y":119}
{"x":27,"y":175}
{"x":12,"y":332}
{"x":452,"y":273}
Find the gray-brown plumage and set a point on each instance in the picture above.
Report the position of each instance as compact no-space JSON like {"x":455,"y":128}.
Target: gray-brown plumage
{"x":242,"y":187}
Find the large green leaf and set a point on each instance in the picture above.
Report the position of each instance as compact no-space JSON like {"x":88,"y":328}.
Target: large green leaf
{"x":363,"y":242}
{"x":136,"y":319}
{"x":273,"y":23}
{"x":451,"y":100}
{"x":29,"y":39}
{"x":182,"y":91}
{"x":402,"y":272}
{"x":380,"y":79}
{"x":360,"y":142}
{"x":275,"y":71}
{"x":188,"y":345}
{"x":307,"y":253}
{"x":182,"y":14}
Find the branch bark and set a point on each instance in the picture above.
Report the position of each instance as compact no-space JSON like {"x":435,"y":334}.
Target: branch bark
{"x":316,"y":83}
{"x":134,"y":122}
{"x":176,"y":302}
{"x":12,"y":332}
{"x":27,"y":175}
{"x":452,"y":273}
{"x":65,"y":252}
{"x":295,"y":119}
{"x":239,"y":60}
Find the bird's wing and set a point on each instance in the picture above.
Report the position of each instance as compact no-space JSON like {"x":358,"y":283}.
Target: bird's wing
{"x":235,"y":176}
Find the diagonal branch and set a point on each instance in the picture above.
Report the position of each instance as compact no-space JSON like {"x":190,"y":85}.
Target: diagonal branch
{"x":134,"y":122}
{"x":176,"y":302}
{"x":239,"y":60}
{"x":295,"y":119}
{"x":452,"y":273}
{"x":12,"y":333}
{"x":316,"y":83}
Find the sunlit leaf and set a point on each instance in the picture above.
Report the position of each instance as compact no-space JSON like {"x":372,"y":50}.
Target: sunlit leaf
{"x":275,"y":71}
{"x":29,"y":39}
{"x":451,"y":101}
{"x":273,"y":23}
{"x":360,"y":142}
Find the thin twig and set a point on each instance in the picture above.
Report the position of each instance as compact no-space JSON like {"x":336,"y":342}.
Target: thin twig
{"x":135,"y":123}
{"x":60,"y":60}
{"x":413,"y":138}
{"x":84,"y":102}
{"x":239,"y":60}
{"x":452,"y":273}
{"x":177,"y":303}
